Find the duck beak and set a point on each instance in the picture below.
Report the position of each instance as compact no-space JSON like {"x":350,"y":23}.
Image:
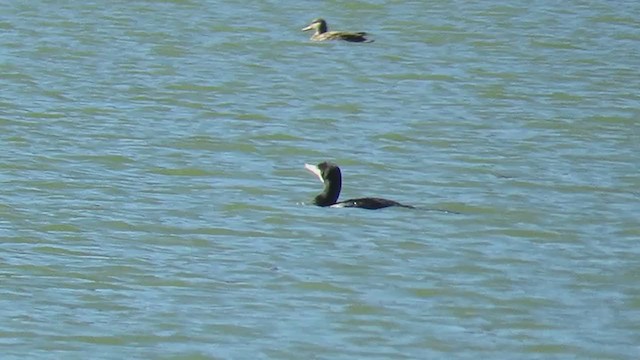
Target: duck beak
{"x":314,"y":170}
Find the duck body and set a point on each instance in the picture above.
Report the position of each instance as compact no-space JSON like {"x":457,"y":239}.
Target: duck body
{"x":331,"y":176}
{"x":321,"y":33}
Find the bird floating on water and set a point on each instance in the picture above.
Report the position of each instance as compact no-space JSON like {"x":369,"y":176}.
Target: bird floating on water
{"x":331,"y":176}
{"x":322,"y":34}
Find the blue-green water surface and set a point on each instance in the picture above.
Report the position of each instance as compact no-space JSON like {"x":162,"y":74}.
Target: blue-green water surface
{"x":154,"y":204}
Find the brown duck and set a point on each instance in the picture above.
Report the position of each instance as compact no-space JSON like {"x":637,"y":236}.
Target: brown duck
{"x":321,"y":33}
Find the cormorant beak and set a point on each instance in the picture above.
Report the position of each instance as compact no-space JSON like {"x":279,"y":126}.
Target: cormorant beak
{"x":314,"y":170}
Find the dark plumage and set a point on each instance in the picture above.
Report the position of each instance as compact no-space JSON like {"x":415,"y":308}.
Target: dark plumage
{"x":331,"y":176}
{"x":322,"y":34}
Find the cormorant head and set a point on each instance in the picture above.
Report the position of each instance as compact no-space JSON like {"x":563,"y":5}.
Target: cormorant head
{"x":331,"y":176}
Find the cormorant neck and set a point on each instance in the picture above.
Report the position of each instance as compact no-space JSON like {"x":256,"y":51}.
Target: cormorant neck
{"x":331,"y":192}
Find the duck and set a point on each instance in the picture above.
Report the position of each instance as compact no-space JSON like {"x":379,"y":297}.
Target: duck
{"x":322,"y":34}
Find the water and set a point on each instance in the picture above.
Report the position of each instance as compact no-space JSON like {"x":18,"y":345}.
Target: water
{"x":154,"y":202}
